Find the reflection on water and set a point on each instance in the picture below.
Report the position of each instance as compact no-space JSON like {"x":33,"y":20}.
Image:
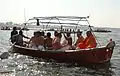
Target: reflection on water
{"x":21,"y":65}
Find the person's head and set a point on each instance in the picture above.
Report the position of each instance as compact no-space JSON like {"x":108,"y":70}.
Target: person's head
{"x":20,"y":32}
{"x":59,"y":35}
{"x":79,"y":34}
{"x":78,"y":30}
{"x":88,"y":33}
{"x":14,"y":28}
{"x":42,"y":33}
{"x":55,"y":33}
{"x":48,"y":34}
{"x":37,"y":33}
{"x":68,"y":34}
{"x":34,"y":33}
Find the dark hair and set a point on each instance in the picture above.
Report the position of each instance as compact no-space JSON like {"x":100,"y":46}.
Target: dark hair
{"x":79,"y":32}
{"x":14,"y":28}
{"x":34,"y":33}
{"x":42,"y":33}
{"x":68,"y":33}
{"x":20,"y":32}
{"x":37,"y":32}
{"x":55,"y":33}
{"x":89,"y":32}
{"x":48,"y":34}
{"x":59,"y":35}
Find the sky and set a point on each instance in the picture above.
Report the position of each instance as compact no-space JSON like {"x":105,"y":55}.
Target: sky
{"x":103,"y":13}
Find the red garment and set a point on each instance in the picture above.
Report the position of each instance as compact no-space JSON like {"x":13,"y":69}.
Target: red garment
{"x":56,"y":43}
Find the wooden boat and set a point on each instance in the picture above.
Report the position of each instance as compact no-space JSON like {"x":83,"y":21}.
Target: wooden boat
{"x":25,"y":29}
{"x":93,"y":55}
{"x":82,"y":56}
{"x":5,"y":28}
{"x":101,"y":30}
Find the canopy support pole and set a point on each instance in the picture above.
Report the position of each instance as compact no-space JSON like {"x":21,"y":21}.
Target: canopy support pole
{"x":93,"y":33}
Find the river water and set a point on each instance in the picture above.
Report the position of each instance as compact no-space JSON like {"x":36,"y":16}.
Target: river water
{"x":21,"y":65}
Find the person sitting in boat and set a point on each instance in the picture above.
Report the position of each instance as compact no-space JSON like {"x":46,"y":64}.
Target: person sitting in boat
{"x":43,"y":34}
{"x":56,"y":40}
{"x":79,"y":40}
{"x":18,"y":39}
{"x":89,"y":41}
{"x":37,"y":41}
{"x":78,"y":30}
{"x":67,"y":43}
{"x":13,"y":32}
{"x":48,"y":41}
{"x":55,"y":35}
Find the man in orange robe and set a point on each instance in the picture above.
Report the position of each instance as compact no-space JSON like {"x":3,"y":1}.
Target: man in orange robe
{"x":89,"y":41}
{"x":80,"y":39}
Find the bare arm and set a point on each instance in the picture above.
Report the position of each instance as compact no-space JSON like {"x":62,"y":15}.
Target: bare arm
{"x":25,"y":37}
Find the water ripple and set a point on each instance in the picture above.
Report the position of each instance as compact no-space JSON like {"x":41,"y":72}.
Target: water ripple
{"x":21,"y":65}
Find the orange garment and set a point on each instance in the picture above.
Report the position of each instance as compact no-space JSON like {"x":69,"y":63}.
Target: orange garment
{"x":79,"y":40}
{"x":89,"y":42}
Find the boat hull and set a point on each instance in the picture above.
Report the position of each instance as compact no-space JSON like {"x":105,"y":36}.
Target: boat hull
{"x":81,"y":56}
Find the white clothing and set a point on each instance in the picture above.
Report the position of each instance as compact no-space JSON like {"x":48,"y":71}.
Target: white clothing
{"x":39,"y":47}
{"x":67,"y":47}
{"x":64,"y":43}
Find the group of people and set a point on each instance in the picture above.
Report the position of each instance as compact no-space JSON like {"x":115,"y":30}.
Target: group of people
{"x":88,"y":42}
{"x":17,"y":38}
{"x":40,"y":41}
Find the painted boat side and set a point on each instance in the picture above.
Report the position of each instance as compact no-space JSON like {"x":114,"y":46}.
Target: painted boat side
{"x":94,"y":55}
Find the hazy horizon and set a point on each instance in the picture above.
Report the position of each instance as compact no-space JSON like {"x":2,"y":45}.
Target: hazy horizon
{"x":103,"y":13}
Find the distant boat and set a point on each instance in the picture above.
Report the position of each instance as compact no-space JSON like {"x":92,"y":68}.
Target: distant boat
{"x":49,"y":29}
{"x":102,"y":30}
{"x":25,"y":29}
{"x":5,"y":28}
